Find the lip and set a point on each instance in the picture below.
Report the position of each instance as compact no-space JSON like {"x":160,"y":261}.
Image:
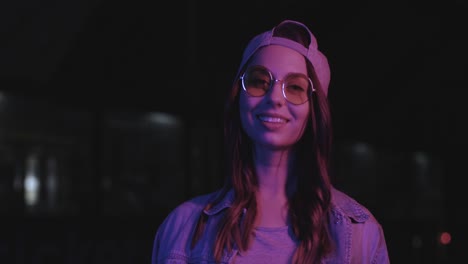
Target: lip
{"x":272,"y":117}
{"x":272,"y":121}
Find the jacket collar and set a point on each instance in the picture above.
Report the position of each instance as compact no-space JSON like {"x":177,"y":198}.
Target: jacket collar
{"x":226,"y":202}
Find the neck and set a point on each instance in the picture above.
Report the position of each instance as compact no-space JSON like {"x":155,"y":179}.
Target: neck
{"x":272,"y":172}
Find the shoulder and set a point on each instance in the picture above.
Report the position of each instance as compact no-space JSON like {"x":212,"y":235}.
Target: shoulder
{"x":174,"y":233}
{"x":366,"y":233}
{"x":346,"y":205}
{"x":187,"y":211}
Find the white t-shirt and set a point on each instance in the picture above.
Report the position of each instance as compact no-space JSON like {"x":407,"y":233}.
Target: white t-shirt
{"x":270,"y":245}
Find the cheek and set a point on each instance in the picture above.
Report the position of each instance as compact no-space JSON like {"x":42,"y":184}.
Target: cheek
{"x":244,"y":109}
{"x":246,"y":103}
{"x":302,"y":115}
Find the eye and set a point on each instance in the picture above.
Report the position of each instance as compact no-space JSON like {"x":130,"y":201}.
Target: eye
{"x":258,"y":80}
{"x":259,"y":83}
{"x":297,"y":84}
{"x":296,"y":88}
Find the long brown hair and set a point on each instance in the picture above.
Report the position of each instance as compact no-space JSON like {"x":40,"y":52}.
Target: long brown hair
{"x":309,"y":203}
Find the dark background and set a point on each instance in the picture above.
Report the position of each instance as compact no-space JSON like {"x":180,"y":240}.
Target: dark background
{"x":120,"y":105}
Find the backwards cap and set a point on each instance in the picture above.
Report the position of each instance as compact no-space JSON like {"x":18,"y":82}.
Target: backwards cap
{"x":317,"y":58}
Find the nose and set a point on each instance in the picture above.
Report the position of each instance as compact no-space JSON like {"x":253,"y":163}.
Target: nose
{"x":275,"y":95}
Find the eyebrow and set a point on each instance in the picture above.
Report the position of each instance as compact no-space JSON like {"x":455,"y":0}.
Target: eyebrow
{"x":268,"y":69}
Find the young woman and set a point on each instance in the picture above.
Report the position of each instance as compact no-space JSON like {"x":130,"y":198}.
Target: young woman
{"x":277,"y":204}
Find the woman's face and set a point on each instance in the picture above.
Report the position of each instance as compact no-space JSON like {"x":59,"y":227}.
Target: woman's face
{"x":270,"y":120}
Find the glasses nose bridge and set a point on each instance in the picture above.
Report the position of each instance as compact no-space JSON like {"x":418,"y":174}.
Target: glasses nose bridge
{"x":280,"y":82}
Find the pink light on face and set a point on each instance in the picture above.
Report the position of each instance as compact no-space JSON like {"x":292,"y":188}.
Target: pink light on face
{"x":445,"y":238}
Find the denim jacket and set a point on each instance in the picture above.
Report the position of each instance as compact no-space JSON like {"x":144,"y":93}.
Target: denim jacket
{"x":357,"y":235}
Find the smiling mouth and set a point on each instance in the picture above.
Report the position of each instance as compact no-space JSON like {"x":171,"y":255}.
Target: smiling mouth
{"x":272,"y":119}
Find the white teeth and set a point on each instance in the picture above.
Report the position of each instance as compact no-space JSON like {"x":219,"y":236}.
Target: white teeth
{"x":272,"y":119}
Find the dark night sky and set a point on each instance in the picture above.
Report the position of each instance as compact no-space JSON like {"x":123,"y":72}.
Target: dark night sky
{"x":397,"y":66}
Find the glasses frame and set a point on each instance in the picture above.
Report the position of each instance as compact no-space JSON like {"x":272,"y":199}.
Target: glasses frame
{"x":273,"y":81}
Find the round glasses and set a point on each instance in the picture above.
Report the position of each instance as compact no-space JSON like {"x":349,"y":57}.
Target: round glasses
{"x":296,"y":87}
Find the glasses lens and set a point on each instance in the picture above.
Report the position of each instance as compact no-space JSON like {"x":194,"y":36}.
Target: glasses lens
{"x":297,"y":88}
{"x":256,"y":81}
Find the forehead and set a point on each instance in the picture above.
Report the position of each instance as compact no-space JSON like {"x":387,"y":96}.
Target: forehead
{"x":280,"y":60}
